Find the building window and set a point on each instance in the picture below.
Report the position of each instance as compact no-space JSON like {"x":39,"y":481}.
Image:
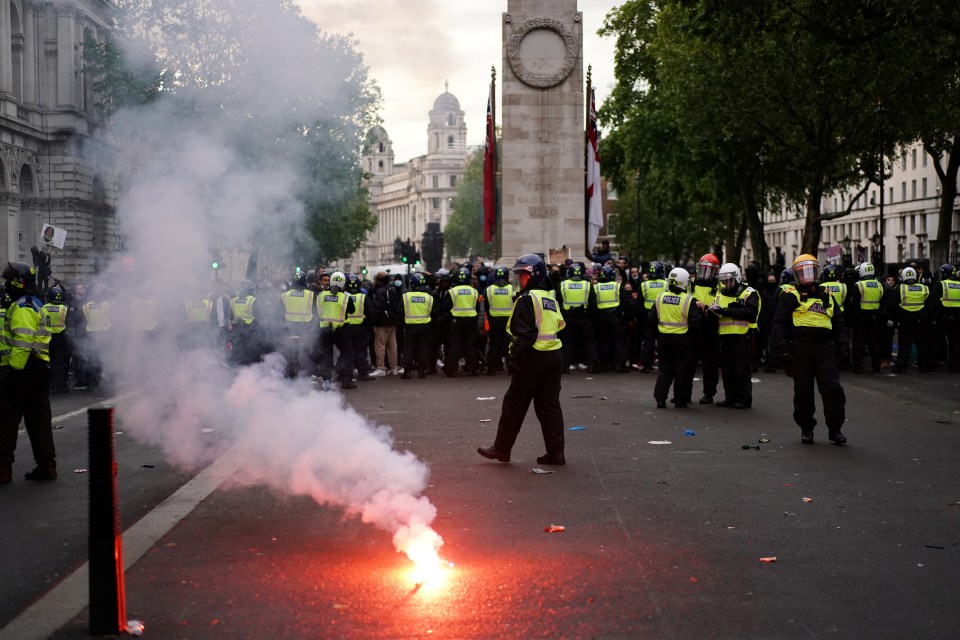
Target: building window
{"x":903,"y":164}
{"x":903,"y":191}
{"x":435,"y":202}
{"x":453,"y":181}
{"x":380,"y":147}
{"x":890,"y":197}
{"x":913,"y":160}
{"x":436,"y":182}
{"x":924,"y":188}
{"x":451,"y":120}
{"x":380,"y":164}
{"x":450,"y":142}
{"x":913,"y":189}
{"x":924,"y":162}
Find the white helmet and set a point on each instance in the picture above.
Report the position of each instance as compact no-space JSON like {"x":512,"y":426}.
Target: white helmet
{"x":729,"y":273}
{"x":338,"y":282}
{"x":908,"y":275}
{"x":865,"y":270}
{"x":678,"y":279}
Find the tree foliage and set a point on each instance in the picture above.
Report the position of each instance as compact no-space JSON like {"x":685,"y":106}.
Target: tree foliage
{"x":704,"y":85}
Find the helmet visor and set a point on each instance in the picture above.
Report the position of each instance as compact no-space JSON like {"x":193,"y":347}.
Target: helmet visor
{"x":806,"y":273}
{"x":706,"y":270}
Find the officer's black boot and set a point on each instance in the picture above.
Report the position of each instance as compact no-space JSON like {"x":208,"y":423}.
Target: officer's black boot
{"x":44,"y":471}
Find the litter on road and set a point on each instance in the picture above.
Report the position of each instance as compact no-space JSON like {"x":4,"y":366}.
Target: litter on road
{"x":485,"y":420}
{"x":539,"y":470}
{"x":763,"y":440}
{"x":808,"y":499}
{"x":689,"y":432}
{"x":750,"y":446}
{"x":659,"y":442}
{"x":486,"y":398}
{"x":576,"y":429}
{"x":555,"y":528}
{"x":769,"y":559}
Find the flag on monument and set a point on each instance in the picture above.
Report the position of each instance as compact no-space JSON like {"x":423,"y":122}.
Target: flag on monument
{"x":488,"y":204}
{"x":594,"y":208}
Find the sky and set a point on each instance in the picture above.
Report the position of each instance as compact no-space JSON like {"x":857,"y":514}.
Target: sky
{"x":413,"y":48}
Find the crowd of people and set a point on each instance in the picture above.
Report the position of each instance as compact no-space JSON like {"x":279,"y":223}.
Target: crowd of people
{"x":342,"y":328}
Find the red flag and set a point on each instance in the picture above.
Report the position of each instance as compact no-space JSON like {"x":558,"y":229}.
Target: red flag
{"x":594,"y":206}
{"x":488,"y":206}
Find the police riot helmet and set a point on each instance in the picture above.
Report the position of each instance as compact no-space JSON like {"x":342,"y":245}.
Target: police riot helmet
{"x":830,"y":273}
{"x":575,"y":271}
{"x":502,"y":274}
{"x":908,"y":275}
{"x":678,"y":280}
{"x":462,"y":276}
{"x":417,"y":281}
{"x":607,"y":274}
{"x":656,"y":270}
{"x":55,"y":295}
{"x":353,"y":283}
{"x":806,"y":269}
{"x":786,"y":277}
{"x":21,"y":279}
{"x":536,"y":272}
{"x":707,"y":266}
{"x":729,"y":276}
{"x":866,"y":270}
{"x":245,"y":288}
{"x":299,"y":278}
{"x":947,"y":271}
{"x":338,"y":282}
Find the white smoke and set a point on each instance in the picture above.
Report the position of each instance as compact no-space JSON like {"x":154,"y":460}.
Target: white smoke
{"x":189,"y":188}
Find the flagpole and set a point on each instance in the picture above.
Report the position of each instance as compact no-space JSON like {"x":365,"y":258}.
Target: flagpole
{"x":586,"y":166}
{"x":497,"y":222}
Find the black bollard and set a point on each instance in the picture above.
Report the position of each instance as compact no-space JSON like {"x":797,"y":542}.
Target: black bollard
{"x":108,"y":611}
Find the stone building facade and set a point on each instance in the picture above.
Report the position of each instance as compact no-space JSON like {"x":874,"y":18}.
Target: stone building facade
{"x":54,"y":167}
{"x":405,"y":197}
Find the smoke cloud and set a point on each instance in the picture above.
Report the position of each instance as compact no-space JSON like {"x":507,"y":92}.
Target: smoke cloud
{"x":219,"y":163}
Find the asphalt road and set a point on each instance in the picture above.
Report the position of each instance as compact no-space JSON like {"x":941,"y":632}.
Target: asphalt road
{"x":661,"y":540}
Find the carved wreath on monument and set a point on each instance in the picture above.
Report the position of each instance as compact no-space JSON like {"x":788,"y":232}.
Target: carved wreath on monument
{"x":542,"y":80}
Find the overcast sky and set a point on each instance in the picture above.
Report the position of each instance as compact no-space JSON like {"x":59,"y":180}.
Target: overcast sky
{"x":413,"y":48}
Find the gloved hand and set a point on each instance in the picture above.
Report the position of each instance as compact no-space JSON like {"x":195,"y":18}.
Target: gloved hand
{"x":786,"y":359}
{"x":721,"y":311}
{"x":844,"y":350}
{"x":515,"y":365}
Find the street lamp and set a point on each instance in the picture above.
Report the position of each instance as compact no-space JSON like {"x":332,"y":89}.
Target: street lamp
{"x":636,"y":179}
{"x":845,"y":243}
{"x":762,"y":156}
{"x":876,"y":241}
{"x":879,"y":112}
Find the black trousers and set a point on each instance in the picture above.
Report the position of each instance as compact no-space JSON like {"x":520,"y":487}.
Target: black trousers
{"x":579,"y":339}
{"x":912,"y":331}
{"x":59,"y":362}
{"x":360,"y":343}
{"x":649,"y":349}
{"x":463,"y":342}
{"x":328,"y":339}
{"x":735,"y":361}
{"x":708,"y":344}
{"x":947,"y":332}
{"x":497,"y":342}
{"x":676,"y":368}
{"x":539,"y":382}
{"x":416,"y":353}
{"x":817,"y":361}
{"x":610,"y":340}
{"x":866,"y":333}
{"x":23,"y":396}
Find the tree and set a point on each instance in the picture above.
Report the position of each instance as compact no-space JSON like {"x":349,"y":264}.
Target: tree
{"x":464,"y":231}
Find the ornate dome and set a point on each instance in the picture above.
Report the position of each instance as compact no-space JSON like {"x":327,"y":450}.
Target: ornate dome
{"x":446,"y":102}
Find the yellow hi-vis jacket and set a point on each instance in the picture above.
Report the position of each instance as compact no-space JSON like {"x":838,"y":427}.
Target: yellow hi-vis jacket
{"x":575,"y":294}
{"x":332,"y":308}
{"x":608,"y":295}
{"x":871,"y":292}
{"x":357,"y":316}
{"x":24,"y":333}
{"x":549,"y":321}
{"x":464,"y":298}
{"x":838,"y":290}
{"x":242,"y":310}
{"x":650,"y":290}
{"x":673,"y":311}
{"x":144,"y":314}
{"x":729,"y":325}
{"x":55,"y":317}
{"x":198,"y":311}
{"x":297,"y":305}
{"x":97,"y":315}
{"x":913,"y":297}
{"x":951,"y":294}
{"x":417,"y":307}
{"x":812,"y":312}
{"x":500,"y":300}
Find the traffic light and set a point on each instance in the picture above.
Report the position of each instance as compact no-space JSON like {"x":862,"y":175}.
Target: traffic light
{"x":404,"y":258}
{"x":215,"y":264}
{"x":363,"y":270}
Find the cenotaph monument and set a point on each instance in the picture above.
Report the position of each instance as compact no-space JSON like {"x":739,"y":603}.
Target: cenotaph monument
{"x":542,"y":161}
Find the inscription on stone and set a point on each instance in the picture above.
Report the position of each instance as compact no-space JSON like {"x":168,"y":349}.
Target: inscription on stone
{"x":543,"y":212}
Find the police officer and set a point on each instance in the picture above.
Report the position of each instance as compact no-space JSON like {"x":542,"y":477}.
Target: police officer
{"x":333,"y":307}
{"x":674,"y":313}
{"x":808,"y":330}
{"x":649,"y":290}
{"x":535,"y":365}
{"x":358,"y":328}
{"x":944,"y":303}
{"x":499,"y":305}
{"x":868,"y":313}
{"x":418,"y":311}
{"x":97,"y":312}
{"x":462,"y":304}
{"x":55,"y":322}
{"x":577,"y":300}
{"x":25,"y":372}
{"x":737,"y":306}
{"x":247,"y":343}
{"x":298,"y":302}
{"x":609,"y":323}
{"x":705,"y":289}
{"x":908,"y":301}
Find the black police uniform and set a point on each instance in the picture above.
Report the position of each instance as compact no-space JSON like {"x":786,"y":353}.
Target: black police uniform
{"x":810,"y":354}
{"x":676,"y":354}
{"x":736,"y":351}
{"x":946,"y":329}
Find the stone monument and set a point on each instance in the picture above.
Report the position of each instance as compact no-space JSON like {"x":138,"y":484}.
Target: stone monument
{"x":542,"y":161}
